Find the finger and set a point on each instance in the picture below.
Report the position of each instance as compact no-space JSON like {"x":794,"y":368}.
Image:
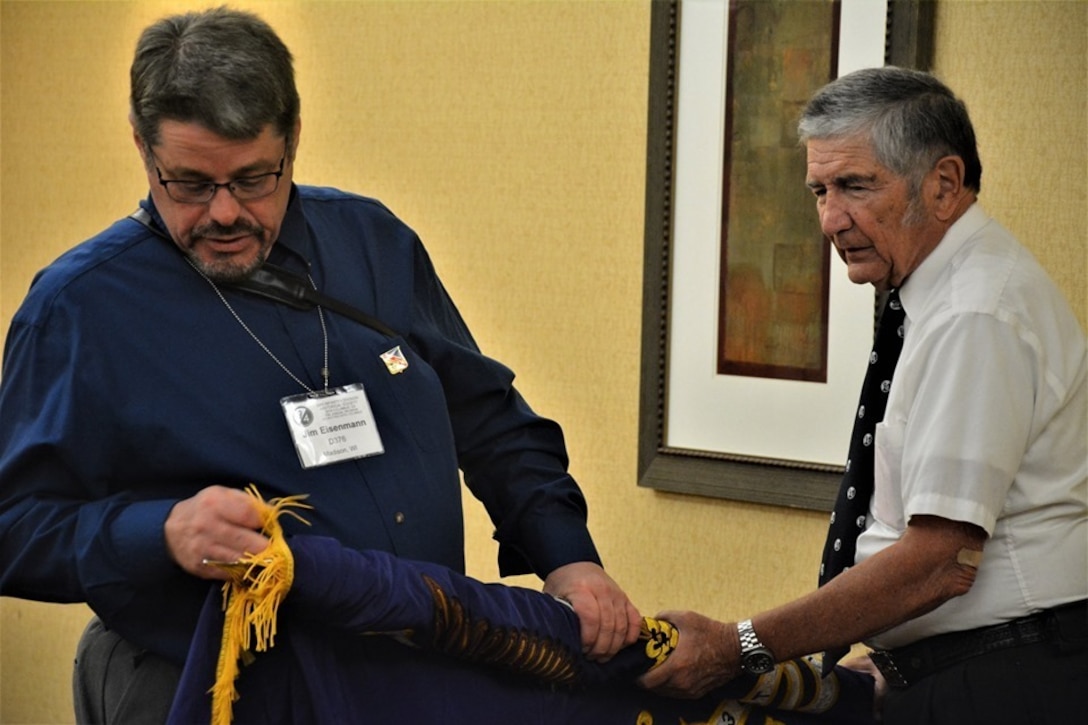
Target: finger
{"x":656,"y":678}
{"x":672,"y":615}
{"x":634,"y":624}
{"x":218,"y":559}
{"x":625,"y":627}
{"x":212,"y":572}
{"x":219,"y":543}
{"x":586,"y":609}
{"x":245,"y":542}
{"x":606,"y":642}
{"x":591,"y":629}
{"x":233,"y":544}
{"x":244,"y":513}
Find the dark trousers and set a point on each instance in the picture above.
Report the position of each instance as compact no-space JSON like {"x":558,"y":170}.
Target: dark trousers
{"x":116,"y":683}
{"x":1036,"y":684}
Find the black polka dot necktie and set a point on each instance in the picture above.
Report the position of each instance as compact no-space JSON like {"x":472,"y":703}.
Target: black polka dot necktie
{"x":856,"y":489}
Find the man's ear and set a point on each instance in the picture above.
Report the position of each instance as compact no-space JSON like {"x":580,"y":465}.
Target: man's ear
{"x":294,"y":139}
{"x":945,"y":183}
{"x":141,"y":147}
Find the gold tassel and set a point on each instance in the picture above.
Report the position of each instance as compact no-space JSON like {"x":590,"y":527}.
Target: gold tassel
{"x":251,"y":599}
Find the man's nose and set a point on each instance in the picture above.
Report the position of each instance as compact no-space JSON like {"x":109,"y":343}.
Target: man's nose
{"x":223,"y":207}
{"x":834,"y":215}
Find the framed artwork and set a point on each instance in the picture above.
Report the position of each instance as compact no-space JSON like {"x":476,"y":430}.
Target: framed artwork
{"x":754,"y":343}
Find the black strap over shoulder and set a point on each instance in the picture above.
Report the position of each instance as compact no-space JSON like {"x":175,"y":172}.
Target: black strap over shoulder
{"x":281,"y":285}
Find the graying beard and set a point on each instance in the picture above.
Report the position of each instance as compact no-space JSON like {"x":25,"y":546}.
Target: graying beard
{"x":227,"y":272}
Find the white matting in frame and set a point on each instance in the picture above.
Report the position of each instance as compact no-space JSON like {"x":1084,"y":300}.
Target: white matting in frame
{"x":784,"y":420}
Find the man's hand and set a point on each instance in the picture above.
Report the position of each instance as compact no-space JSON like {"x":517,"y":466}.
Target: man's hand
{"x":609,"y":620}
{"x":706,"y":656}
{"x":880,"y":685}
{"x":218,"y":524}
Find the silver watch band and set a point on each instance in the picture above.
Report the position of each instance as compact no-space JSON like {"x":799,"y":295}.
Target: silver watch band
{"x":748,"y":638}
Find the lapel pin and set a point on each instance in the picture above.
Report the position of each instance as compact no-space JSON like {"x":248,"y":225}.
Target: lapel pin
{"x":395,"y":361}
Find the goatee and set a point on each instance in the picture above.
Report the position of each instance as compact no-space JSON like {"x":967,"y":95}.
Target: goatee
{"x":226,"y":269}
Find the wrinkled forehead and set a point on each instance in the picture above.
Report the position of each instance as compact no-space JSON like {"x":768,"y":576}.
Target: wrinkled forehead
{"x":192,"y":150}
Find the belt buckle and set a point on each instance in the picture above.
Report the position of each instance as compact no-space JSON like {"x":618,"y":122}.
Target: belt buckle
{"x":885,"y":662}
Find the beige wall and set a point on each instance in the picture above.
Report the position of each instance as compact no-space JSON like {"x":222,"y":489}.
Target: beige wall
{"x":1022,"y":68}
{"x":511,"y":136}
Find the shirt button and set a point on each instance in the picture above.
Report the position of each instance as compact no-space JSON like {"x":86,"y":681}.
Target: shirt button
{"x":399,"y":517}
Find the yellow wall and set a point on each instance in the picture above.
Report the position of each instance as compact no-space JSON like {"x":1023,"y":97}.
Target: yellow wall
{"x":1022,"y":68}
{"x":511,"y":136}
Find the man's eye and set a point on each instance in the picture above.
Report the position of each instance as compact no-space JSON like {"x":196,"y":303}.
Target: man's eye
{"x":191,"y":187}
{"x":249,"y":184}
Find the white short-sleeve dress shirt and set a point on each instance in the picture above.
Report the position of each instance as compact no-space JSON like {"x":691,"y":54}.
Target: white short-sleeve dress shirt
{"x":987,"y":423}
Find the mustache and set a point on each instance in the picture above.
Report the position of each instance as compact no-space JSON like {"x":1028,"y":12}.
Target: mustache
{"x":214,"y":229}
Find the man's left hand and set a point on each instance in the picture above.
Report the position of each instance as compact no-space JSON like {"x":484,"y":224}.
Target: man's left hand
{"x":608,"y":618}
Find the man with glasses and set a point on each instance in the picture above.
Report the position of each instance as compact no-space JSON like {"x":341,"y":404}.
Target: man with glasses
{"x":144,"y":386}
{"x":244,"y":188}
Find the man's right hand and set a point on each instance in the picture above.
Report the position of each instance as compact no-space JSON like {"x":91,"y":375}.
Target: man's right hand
{"x":217,"y":524}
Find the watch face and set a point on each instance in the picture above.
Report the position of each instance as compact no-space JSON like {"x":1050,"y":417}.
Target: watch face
{"x":758,"y":662}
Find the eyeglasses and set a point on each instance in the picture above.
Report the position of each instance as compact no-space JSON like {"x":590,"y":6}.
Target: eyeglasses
{"x":244,"y":188}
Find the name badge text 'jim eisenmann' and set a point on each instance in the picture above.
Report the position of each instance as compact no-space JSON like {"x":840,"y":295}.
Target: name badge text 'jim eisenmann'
{"x":334,"y":426}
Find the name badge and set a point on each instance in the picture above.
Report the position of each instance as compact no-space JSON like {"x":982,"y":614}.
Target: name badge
{"x":334,"y":426}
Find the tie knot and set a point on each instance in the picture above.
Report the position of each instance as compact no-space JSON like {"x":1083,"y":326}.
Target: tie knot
{"x":893,"y":303}
{"x":893,"y":314}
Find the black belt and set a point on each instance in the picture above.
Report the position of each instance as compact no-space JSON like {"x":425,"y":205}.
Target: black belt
{"x":905,"y":666}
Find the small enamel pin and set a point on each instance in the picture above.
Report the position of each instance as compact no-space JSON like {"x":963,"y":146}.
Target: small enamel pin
{"x":395,"y":361}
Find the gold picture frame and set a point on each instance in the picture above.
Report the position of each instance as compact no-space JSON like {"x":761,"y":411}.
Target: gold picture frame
{"x":698,"y":471}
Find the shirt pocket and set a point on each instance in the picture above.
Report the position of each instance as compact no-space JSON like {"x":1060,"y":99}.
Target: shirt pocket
{"x":888,"y":472}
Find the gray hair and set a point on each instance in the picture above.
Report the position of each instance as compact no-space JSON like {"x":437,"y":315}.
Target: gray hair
{"x":224,"y":69}
{"x":910,"y":118}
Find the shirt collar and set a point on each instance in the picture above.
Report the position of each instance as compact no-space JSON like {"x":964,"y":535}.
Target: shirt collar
{"x":922,"y":280}
{"x":295,"y":244}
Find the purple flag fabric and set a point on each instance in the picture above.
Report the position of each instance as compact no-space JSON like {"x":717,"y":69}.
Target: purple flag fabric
{"x":366,"y":637}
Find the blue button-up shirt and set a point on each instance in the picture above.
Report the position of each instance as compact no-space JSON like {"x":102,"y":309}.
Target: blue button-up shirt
{"x":128,"y":385}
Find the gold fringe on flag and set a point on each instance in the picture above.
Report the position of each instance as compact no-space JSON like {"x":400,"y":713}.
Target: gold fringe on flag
{"x":251,"y":599}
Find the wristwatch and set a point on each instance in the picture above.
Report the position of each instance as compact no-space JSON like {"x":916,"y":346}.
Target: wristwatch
{"x":755,"y":659}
